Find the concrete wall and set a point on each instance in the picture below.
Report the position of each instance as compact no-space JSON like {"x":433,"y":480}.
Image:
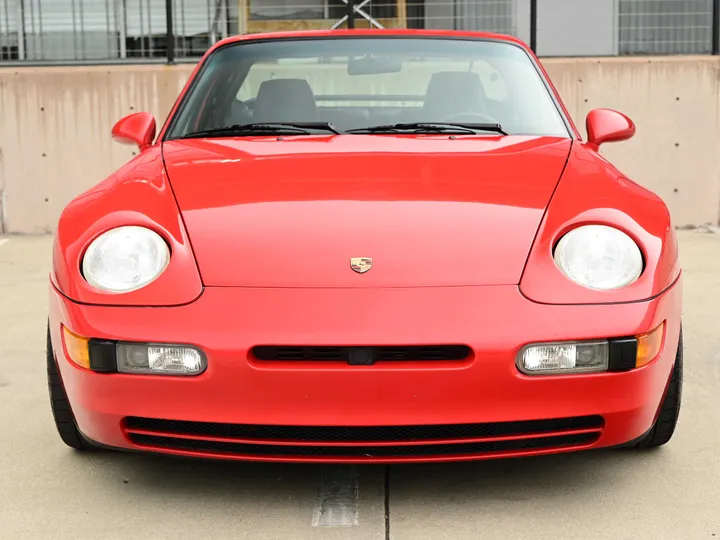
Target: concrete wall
{"x":55,"y":132}
{"x":674,"y":104}
{"x":55,"y":128}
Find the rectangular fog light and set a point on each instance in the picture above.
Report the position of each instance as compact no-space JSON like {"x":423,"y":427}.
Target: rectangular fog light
{"x":158,"y":359}
{"x":564,"y":357}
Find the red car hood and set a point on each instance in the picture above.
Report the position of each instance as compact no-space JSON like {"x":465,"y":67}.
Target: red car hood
{"x":428,"y":210}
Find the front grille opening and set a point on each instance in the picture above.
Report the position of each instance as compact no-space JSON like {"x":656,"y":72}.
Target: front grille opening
{"x":330,"y":434}
{"x":366,"y":452}
{"x":377,"y":354}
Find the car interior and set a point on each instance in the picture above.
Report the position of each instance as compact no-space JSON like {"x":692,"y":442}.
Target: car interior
{"x":451,"y":96}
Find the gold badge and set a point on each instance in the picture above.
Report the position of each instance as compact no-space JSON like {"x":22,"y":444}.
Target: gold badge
{"x":361,"y":264}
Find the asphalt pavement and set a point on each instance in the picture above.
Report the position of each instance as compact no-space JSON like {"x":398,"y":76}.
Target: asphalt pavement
{"x":48,"y":491}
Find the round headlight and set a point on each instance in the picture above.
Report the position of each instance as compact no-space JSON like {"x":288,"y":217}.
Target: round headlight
{"x":125,"y":259}
{"x":599,"y":257}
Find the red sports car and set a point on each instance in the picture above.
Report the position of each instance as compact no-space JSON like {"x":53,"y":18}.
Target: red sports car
{"x":366,"y":245}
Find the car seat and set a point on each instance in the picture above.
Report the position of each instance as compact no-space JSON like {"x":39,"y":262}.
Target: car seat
{"x":452,"y":93}
{"x":285,"y":100}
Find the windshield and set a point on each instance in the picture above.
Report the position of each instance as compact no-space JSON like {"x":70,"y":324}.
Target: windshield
{"x":361,"y":82}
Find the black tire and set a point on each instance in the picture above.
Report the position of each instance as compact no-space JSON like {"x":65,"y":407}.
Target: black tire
{"x":667,"y":420}
{"x":62,"y":413}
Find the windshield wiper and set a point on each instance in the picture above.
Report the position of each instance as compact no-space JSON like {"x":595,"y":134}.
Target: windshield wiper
{"x":430,"y":127}
{"x":271,"y":128}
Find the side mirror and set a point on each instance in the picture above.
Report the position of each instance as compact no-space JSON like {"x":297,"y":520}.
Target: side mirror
{"x":137,"y":128}
{"x":606,"y":125}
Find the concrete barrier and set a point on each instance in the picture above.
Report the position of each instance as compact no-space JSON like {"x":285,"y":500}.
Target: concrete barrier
{"x":55,"y":128}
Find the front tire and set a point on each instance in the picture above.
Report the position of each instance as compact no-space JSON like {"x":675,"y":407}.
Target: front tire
{"x":62,"y":413}
{"x":667,"y":420}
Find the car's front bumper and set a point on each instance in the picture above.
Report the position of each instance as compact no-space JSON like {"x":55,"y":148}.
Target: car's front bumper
{"x":235,"y":389}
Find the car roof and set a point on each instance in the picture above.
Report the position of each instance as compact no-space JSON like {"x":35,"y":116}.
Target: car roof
{"x":331,"y":34}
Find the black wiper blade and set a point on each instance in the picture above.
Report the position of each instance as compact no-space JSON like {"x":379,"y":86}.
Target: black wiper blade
{"x":320,"y":126}
{"x":246,"y":129}
{"x":431,"y":127}
{"x":482,"y":126}
{"x":294,"y":128}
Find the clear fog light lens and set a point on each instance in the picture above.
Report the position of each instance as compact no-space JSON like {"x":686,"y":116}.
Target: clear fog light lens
{"x":567,"y":357}
{"x":159,"y":359}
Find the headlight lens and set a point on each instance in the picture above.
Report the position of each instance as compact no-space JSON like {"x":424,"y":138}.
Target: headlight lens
{"x":599,"y":257}
{"x":125,"y":259}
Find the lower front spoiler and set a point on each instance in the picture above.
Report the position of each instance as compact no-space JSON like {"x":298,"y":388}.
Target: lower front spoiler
{"x":509,"y":440}
{"x":210,"y":456}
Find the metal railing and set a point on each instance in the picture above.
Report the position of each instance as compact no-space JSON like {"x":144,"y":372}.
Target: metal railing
{"x":97,"y":31}
{"x":665,"y":26}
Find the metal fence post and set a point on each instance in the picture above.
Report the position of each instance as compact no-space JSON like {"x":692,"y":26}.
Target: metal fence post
{"x":170,"y":38}
{"x":21,"y":29}
{"x":533,"y":25}
{"x":351,"y":14}
{"x":716,"y":27}
{"x":120,"y":23}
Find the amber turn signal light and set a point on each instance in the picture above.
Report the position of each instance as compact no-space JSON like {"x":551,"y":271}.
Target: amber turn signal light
{"x":76,"y":348}
{"x":649,"y":345}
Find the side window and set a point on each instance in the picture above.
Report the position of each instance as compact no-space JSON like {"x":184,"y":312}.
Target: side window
{"x":499,"y":97}
{"x":295,"y":68}
{"x":250,"y":86}
{"x":492,"y":81}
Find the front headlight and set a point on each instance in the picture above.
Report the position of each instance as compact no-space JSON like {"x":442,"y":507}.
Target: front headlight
{"x":599,"y":257}
{"x":125,"y":259}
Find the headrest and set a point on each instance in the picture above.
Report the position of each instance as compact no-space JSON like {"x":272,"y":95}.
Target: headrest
{"x":285,"y":100}
{"x":452,"y":92}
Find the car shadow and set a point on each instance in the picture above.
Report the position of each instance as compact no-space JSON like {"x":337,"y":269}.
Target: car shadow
{"x":518,"y":479}
{"x":514,"y":479}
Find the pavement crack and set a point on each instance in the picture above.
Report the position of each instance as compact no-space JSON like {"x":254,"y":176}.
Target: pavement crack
{"x":387,"y":502}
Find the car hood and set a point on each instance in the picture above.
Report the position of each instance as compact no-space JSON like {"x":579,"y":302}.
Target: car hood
{"x":428,"y":210}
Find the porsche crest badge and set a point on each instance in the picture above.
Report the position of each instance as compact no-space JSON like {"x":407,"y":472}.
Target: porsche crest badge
{"x":361,"y":264}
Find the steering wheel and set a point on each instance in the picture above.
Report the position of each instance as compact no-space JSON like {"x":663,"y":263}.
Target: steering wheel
{"x":463,"y":116}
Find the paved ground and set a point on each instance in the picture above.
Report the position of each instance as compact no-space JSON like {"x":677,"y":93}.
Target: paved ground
{"x":49,"y":492}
